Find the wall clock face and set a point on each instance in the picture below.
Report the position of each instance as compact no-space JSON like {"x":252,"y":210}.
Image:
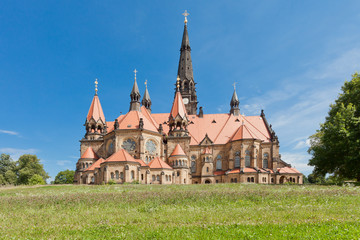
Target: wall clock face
{"x":151,"y":146}
{"x":186,"y":100}
{"x":129,"y":145}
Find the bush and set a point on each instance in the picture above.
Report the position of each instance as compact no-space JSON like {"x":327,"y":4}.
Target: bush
{"x":111,"y":182}
{"x":36,"y":180}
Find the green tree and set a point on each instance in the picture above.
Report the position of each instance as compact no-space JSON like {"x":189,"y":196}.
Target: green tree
{"x":6,"y":163}
{"x":335,"y":147}
{"x":65,"y":177}
{"x":2,"y":180}
{"x":36,"y":179}
{"x":29,"y":165}
{"x":10,"y":177}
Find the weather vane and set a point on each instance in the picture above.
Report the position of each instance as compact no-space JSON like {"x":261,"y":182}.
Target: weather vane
{"x":96,"y":85}
{"x":186,"y":14}
{"x":135,"y":73}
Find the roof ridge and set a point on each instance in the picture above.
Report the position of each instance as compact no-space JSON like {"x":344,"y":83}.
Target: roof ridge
{"x":254,"y":126}
{"x":229,"y":116}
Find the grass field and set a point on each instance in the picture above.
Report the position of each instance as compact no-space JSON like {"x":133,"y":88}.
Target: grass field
{"x":235,"y":211}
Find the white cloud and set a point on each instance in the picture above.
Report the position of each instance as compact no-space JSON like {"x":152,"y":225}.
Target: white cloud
{"x":302,"y":144}
{"x":9,"y":132}
{"x":15,"y":153}
{"x":298,"y":160}
{"x":63,"y":162}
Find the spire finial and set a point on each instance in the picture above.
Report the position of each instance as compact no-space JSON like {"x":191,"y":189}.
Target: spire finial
{"x":135,"y":71}
{"x":186,"y":14}
{"x":96,"y":86}
{"x":146,"y":83}
{"x":177,"y":83}
{"x":234,"y":84}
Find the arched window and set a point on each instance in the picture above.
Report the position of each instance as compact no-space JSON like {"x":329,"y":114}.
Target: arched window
{"x":252,"y":179}
{"x":142,"y":177}
{"x":218,"y":163}
{"x":232,"y":180}
{"x":207,"y":169}
{"x":170,"y":178}
{"x":117,"y":174}
{"x":121,"y":175}
{"x":158,"y":177}
{"x":112,"y":175}
{"x":166,"y":177}
{"x":237,"y":159}
{"x":235,"y":180}
{"x":248,"y":179}
{"x":193,"y":166}
{"x":92,"y":179}
{"x":146,"y":160}
{"x":87,"y":165}
{"x":178,"y":173}
{"x":265,"y":160}
{"x":176,"y":162}
{"x":153,"y":177}
{"x":132,"y":175}
{"x":247,"y":158}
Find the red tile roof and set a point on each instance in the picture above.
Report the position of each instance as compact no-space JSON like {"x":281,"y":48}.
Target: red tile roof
{"x":142,"y":163}
{"x":217,"y":173}
{"x":178,"y":107}
{"x":89,"y":153}
{"x":159,"y":164}
{"x":121,"y":156}
{"x":178,"y":151}
{"x":95,"y":165}
{"x":287,"y":170}
{"x":95,"y":110}
{"x":132,"y":118}
{"x":220,"y":128}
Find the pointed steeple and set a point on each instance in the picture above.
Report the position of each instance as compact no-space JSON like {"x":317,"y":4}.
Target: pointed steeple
{"x":185,"y":72}
{"x":178,"y":120}
{"x":95,"y":120}
{"x":234,"y":103}
{"x":146,"y":101}
{"x":135,"y":96}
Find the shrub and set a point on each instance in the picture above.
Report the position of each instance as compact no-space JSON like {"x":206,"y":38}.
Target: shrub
{"x":36,"y":180}
{"x":111,"y":182}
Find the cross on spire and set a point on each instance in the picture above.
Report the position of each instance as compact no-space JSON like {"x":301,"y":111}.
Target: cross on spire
{"x":234,"y":84}
{"x":146,"y":83}
{"x":135,"y":71}
{"x":96,"y":86}
{"x":185,"y":15}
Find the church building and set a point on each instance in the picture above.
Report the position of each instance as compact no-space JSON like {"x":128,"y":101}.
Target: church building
{"x":184,"y":146}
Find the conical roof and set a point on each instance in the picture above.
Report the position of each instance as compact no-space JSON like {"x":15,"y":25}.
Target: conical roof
{"x":159,"y":164}
{"x":95,"y":110}
{"x":121,"y":156}
{"x":178,"y":151}
{"x":95,"y":165}
{"x":178,"y":107}
{"x":135,"y":89}
{"x":146,"y":95}
{"x":234,"y":99}
{"x":185,"y":69}
{"x":89,"y":153}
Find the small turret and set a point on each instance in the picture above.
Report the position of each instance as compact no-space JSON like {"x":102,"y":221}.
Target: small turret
{"x":146,"y":101}
{"x":234,"y":104}
{"x":95,"y":120}
{"x":135,"y":96}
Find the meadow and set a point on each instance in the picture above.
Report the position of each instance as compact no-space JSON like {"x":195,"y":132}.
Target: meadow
{"x":222,"y":211}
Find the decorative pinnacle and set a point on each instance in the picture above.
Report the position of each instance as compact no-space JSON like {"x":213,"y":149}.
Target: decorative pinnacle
{"x":186,"y":14}
{"x":177,"y":83}
{"x":146,"y":83}
{"x":135,"y":71}
{"x":96,"y":86}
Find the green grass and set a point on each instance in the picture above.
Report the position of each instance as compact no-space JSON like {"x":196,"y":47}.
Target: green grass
{"x":223,"y":211}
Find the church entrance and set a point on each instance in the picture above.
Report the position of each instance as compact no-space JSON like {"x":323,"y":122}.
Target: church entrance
{"x":282,"y":179}
{"x":207,"y":181}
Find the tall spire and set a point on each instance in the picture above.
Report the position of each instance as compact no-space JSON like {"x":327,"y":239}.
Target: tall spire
{"x":185,"y":72}
{"x":135,"y":96}
{"x":146,"y":101}
{"x":234,"y":103}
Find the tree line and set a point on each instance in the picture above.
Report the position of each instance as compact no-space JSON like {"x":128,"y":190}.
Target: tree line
{"x":28,"y":170}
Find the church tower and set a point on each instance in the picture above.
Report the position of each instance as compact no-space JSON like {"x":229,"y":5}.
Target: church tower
{"x":135,"y":96}
{"x":146,"y":101}
{"x":234,"y":104}
{"x":95,"y":120}
{"x":185,"y":73}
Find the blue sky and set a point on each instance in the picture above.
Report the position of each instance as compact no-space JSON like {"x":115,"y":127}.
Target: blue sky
{"x":289,"y":58}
